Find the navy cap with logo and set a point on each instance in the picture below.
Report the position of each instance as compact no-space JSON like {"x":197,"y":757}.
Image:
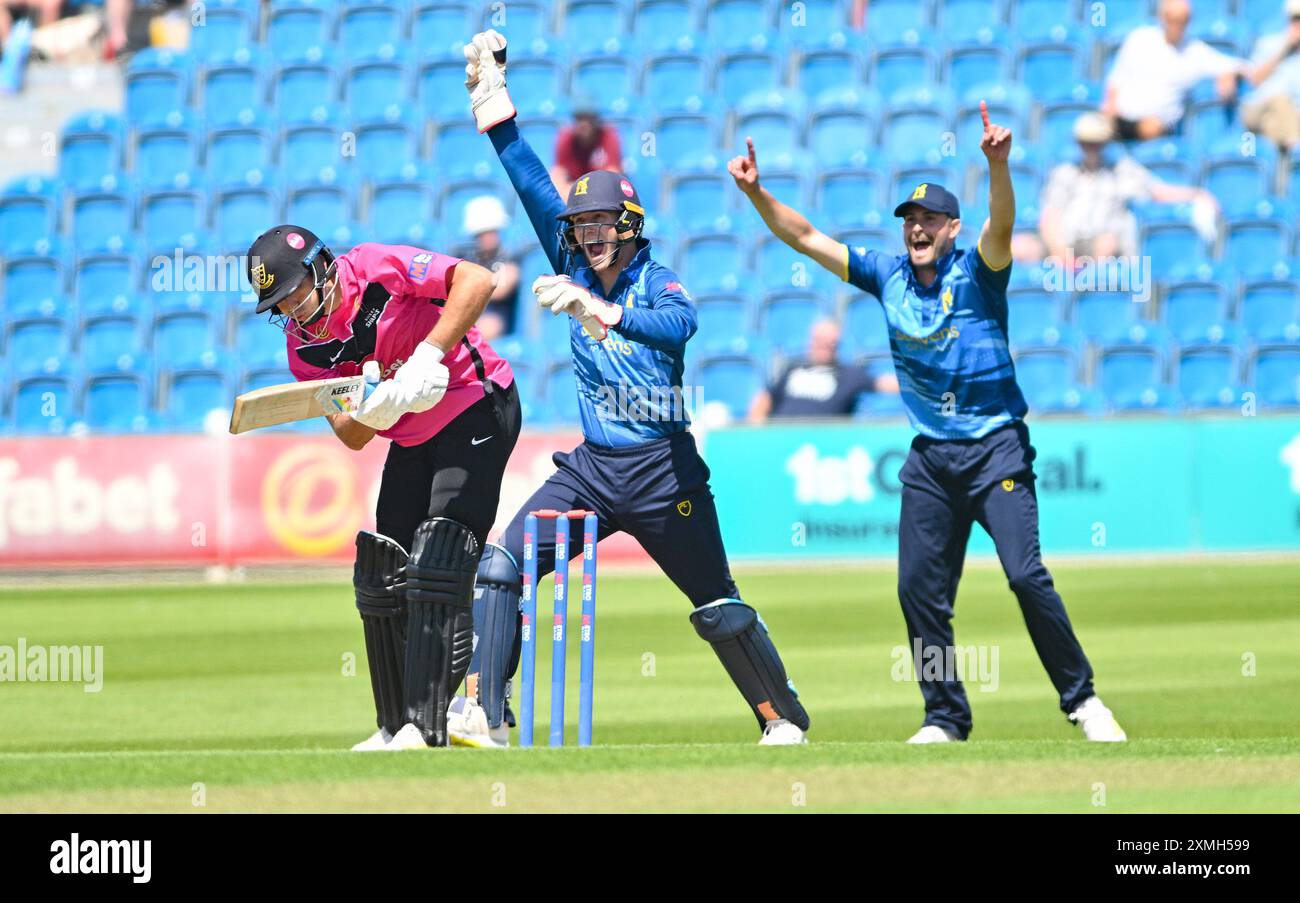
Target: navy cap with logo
{"x":280,"y":259}
{"x":602,"y":190}
{"x":930,"y":196}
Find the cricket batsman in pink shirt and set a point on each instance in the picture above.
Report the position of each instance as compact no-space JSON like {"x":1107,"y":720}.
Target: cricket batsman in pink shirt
{"x":450,"y":407}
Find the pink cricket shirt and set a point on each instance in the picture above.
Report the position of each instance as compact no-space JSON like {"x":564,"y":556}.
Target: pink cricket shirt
{"x":392,"y":296}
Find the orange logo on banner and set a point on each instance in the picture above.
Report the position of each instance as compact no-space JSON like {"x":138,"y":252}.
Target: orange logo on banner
{"x":292,"y":493}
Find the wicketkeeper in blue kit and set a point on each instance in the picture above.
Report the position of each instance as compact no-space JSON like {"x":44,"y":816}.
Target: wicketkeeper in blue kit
{"x":946,"y":309}
{"x":637,"y":468}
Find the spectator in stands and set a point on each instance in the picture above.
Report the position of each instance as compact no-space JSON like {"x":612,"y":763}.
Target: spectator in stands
{"x":485,"y":220}
{"x":818,"y":385}
{"x":1085,"y":205}
{"x":1146,"y":91}
{"x":1274,"y":109}
{"x":588,"y":144}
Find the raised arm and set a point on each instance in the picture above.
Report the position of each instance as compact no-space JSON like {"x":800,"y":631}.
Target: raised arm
{"x":786,"y":223}
{"x":995,"y":238}
{"x":494,"y":113}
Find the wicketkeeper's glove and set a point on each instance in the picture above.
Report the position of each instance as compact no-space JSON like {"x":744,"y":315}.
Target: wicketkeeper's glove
{"x":562,"y":296}
{"x":485,"y":79}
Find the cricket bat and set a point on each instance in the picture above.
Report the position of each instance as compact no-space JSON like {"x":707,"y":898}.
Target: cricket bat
{"x":289,"y":402}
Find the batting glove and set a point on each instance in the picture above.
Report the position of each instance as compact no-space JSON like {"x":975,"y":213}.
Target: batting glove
{"x":424,"y":377}
{"x":562,"y":296}
{"x":485,"y":79}
{"x":384,"y":406}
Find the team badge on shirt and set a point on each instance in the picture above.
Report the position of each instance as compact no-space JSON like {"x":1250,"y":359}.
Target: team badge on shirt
{"x":680,"y":289}
{"x":419,"y":268}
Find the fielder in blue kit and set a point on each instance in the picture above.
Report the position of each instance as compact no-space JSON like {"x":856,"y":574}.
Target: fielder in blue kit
{"x":946,"y":310}
{"x":637,"y":468}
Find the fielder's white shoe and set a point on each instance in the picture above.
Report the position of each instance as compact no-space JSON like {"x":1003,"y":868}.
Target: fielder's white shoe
{"x":467,"y":725}
{"x":409,"y":737}
{"x":932,"y":733}
{"x":782,"y":733}
{"x":378,"y":740}
{"x":1097,"y":722}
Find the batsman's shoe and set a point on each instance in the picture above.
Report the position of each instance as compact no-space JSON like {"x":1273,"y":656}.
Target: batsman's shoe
{"x":782,"y":733}
{"x":467,"y":725}
{"x":1097,"y":722}
{"x":932,"y":733}
{"x":378,"y":740}
{"x":409,"y":737}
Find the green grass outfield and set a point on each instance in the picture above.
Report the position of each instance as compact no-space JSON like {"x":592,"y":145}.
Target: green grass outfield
{"x":241,"y":689}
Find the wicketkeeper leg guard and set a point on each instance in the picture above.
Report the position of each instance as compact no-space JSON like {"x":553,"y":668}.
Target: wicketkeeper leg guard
{"x":440,"y":623}
{"x":378,"y":580}
{"x":496,"y":611}
{"x":740,"y":639}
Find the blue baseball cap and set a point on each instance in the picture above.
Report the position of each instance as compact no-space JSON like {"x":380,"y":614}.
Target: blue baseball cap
{"x":929,"y":196}
{"x":602,"y":190}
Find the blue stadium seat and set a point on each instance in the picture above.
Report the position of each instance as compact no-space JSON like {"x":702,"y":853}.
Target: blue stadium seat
{"x":902,"y":69}
{"x":1044,"y":20}
{"x":165,"y":157}
{"x":1253,"y":247}
{"x":676,"y":82}
{"x":232,"y":93}
{"x":259,"y":345}
{"x":813,"y":23}
{"x":593,"y":27}
{"x":1267,"y":15}
{"x":1237,"y":182}
{"x":117,"y":404}
{"x":698,"y":201}
{"x":325,"y":207}
{"x":311,"y":153}
{"x":1196,"y":312}
{"x":725,"y":323}
{"x":461,"y":153}
{"x":537,"y":83}
{"x":1056,"y":128}
{"x":90,"y":151}
{"x":786,"y":317}
{"x":1032,"y":312}
{"x":105,"y":284}
{"x":187,"y":340}
{"x":1276,"y":376}
{"x":101,"y":222}
{"x":683,"y":140}
{"x":179,"y":300}
{"x":905,"y":179}
{"x":241,"y":214}
{"x":157,"y":83}
{"x":1122,"y":16}
{"x":865,"y":330}
{"x":401,"y":212}
{"x":738,"y":25}
{"x":1270,"y":311}
{"x":730,"y":380}
{"x":43,"y":406}
{"x":113,"y":344}
{"x":740,"y":74}
{"x":1132,"y":378}
{"x":976,"y":64}
{"x":610,"y":82}
{"x":305,"y":92}
{"x":456,"y":195}
{"x":970,"y":130}
{"x":1105,"y":317}
{"x":232,"y":153}
{"x":829,"y":70}
{"x":33,"y":287}
{"x":260,"y":379}
{"x":192,"y":397}
{"x":663,"y":26}
{"x":374,"y":31}
{"x":715,"y":264}
{"x":38,"y":347}
{"x":1209,"y":377}
{"x":913,"y":136}
{"x":1175,"y":250}
{"x":171,"y":219}
{"x":440,"y":88}
{"x":1045,"y":376}
{"x":850,"y":198}
{"x":388,"y":150}
{"x":444,"y":27}
{"x":300,"y":30}
{"x":1051,"y":69}
{"x":899,"y":21}
{"x":841,"y":138}
{"x":788,"y":186}
{"x":777,"y":135}
{"x":971,"y":20}
{"x":224,"y":33}
{"x":377,"y":90}
{"x":29,"y":213}
{"x":527,"y":24}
